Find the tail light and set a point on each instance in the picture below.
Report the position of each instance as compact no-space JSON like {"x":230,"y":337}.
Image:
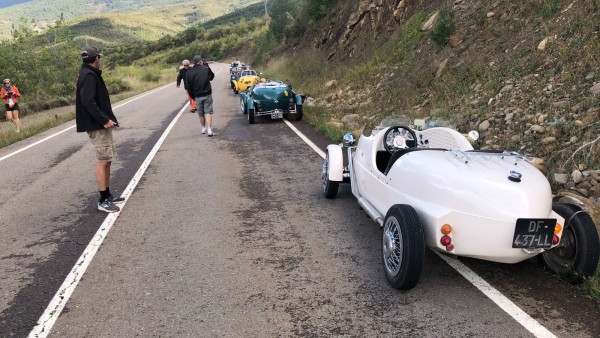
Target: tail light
{"x":446,"y":229}
{"x":445,"y":240}
{"x":555,"y":240}
{"x":557,"y":229}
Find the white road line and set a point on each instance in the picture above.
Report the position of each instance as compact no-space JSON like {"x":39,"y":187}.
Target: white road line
{"x":57,"y":304}
{"x":496,"y":296}
{"x":54,"y":309}
{"x":73,"y":126}
{"x":306,"y":139}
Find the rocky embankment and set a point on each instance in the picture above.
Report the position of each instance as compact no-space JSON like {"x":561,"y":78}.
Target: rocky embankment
{"x":550,"y":114}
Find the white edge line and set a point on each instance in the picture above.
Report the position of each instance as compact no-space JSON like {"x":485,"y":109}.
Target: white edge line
{"x":496,"y":296}
{"x":73,"y":126}
{"x":306,"y":139}
{"x":57,"y":304}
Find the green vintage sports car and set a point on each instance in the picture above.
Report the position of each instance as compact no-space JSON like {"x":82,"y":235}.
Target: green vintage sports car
{"x":273,"y":98}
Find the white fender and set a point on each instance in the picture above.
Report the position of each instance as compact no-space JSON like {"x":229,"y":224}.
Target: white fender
{"x":336,"y":163}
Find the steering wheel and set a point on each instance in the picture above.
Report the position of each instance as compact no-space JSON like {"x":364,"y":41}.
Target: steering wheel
{"x":398,"y":137}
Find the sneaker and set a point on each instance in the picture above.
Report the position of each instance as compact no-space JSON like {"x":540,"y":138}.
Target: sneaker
{"x":192,"y":110}
{"x":108,"y":206}
{"x":203,"y":131}
{"x":114,"y":199}
{"x":210,"y":133}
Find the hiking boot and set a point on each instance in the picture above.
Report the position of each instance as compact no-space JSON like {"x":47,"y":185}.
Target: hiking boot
{"x":108,"y":206}
{"x":113,"y":199}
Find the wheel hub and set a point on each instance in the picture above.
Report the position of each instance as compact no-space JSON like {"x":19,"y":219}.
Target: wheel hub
{"x":389,"y":245}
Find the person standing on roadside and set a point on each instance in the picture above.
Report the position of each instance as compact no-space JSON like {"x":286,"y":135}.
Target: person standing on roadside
{"x":94,"y":115}
{"x":10,"y":93}
{"x":198,"y":83}
{"x":181,"y":77}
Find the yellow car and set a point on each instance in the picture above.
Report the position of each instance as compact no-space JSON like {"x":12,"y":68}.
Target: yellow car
{"x":246,"y":80}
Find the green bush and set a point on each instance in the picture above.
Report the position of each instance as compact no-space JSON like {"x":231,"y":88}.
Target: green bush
{"x":444,"y":28}
{"x":150,"y":76}
{"x":116,"y":86}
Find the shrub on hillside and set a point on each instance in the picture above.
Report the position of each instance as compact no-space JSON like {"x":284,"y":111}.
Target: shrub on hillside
{"x":444,"y":28}
{"x":150,"y":76}
{"x":116,"y":86}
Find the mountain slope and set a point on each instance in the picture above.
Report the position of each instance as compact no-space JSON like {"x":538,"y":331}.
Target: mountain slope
{"x":159,"y":17}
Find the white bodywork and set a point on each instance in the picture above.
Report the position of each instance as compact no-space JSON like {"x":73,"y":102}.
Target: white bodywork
{"x":468,"y":190}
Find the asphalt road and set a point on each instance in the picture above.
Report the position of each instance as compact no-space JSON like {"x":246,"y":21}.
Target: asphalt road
{"x":231,"y":236}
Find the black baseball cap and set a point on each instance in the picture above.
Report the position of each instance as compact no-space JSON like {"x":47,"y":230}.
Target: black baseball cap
{"x":90,"y":52}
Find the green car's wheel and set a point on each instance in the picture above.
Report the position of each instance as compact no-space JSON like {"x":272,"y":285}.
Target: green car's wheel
{"x":403,"y":247}
{"x":250,"y":116}
{"x":577,"y":254}
{"x":298,"y":112}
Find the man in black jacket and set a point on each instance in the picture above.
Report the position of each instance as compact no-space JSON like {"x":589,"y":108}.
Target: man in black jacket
{"x":198,"y":84}
{"x":94,"y":115}
{"x":185,"y":66}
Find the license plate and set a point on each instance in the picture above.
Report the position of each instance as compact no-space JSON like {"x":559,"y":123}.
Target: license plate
{"x":277,"y":115}
{"x":534,"y":233}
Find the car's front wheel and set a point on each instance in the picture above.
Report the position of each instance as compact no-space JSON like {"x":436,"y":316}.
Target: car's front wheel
{"x":330,"y":188}
{"x":577,"y":254}
{"x":403,"y":247}
{"x":243,"y":106}
{"x":250,"y":115}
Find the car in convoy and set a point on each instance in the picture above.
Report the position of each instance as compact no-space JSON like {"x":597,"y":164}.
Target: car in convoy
{"x":275,"y":99}
{"x":431,"y":188}
{"x":245,"y":80}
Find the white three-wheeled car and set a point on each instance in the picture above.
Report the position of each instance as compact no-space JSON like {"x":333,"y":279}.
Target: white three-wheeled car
{"x":431,"y":188}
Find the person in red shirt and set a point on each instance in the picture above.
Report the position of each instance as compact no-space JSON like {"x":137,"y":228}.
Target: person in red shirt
{"x":10,"y":94}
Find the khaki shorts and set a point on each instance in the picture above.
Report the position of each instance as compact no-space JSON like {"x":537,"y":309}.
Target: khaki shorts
{"x":103,"y":143}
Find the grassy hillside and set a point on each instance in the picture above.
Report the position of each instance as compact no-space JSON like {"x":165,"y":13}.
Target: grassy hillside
{"x":136,"y":18}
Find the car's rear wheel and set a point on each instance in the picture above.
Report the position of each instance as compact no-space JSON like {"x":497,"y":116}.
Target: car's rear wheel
{"x":298,"y":112}
{"x":578,"y":252}
{"x":250,"y":115}
{"x":403,"y":247}
{"x":330,"y":188}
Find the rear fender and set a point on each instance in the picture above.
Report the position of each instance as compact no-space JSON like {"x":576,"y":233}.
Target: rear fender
{"x":299,"y":99}
{"x":249,"y":103}
{"x":336,"y":163}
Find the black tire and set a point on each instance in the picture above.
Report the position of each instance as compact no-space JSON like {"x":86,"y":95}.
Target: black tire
{"x":232,"y":84}
{"x":330,"y":188}
{"x":403,"y":247}
{"x":243,"y":106}
{"x":250,"y":116}
{"x":576,"y":256}
{"x":299,"y":114}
